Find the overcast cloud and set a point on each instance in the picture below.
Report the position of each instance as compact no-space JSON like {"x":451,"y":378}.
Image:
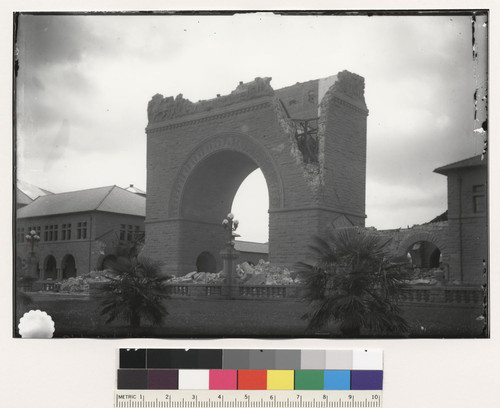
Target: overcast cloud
{"x":84,"y":83}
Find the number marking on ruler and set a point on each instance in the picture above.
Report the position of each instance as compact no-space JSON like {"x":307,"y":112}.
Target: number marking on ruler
{"x":247,"y":399}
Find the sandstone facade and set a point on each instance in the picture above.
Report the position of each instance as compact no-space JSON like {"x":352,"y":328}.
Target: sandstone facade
{"x":309,"y":140}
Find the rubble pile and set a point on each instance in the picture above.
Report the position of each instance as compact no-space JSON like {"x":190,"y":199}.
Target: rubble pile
{"x":81,"y":283}
{"x":425,"y":276}
{"x":264,"y":273}
{"x":199,"y":277}
{"x":261,"y":274}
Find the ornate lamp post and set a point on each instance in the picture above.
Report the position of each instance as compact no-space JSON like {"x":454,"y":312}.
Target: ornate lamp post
{"x":32,"y":238}
{"x":230,"y":225}
{"x":229,"y":254}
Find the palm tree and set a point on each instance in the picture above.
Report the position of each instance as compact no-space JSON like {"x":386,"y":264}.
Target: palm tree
{"x":135,"y":290}
{"x":353,"y":282}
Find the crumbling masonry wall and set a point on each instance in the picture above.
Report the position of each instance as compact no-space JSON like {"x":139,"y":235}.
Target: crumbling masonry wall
{"x":309,"y":140}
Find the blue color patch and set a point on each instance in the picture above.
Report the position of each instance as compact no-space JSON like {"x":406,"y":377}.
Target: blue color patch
{"x":337,"y":380}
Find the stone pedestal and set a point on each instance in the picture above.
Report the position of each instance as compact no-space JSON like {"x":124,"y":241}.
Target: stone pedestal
{"x":32,"y":272}
{"x":229,"y":255}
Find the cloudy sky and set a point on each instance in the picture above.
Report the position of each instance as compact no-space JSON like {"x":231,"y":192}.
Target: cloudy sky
{"x":84,"y":83}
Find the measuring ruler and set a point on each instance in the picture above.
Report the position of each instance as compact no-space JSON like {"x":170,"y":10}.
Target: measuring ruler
{"x":247,"y":399}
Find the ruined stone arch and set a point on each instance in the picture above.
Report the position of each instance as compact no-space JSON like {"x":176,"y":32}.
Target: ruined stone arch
{"x":435,"y":239}
{"x":105,"y":261}
{"x":237,"y":150}
{"x":200,"y":153}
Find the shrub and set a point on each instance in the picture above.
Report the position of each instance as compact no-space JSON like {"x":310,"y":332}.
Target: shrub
{"x":135,"y":291}
{"x":353,"y":282}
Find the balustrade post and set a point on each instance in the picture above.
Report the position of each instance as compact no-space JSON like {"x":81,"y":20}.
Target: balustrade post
{"x":437,"y":294}
{"x":229,"y":254}
{"x":59,"y":274}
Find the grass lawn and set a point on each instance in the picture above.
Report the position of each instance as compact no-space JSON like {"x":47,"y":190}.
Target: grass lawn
{"x":78,"y":316}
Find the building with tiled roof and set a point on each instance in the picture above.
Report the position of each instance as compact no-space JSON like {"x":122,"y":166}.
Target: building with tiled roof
{"x":77,"y":230}
{"x":135,"y":190}
{"x":455,"y":243}
{"x":467,"y":244}
{"x":105,"y":199}
{"x":26,"y":193}
{"x":476,"y":161}
{"x":22,"y":198}
{"x":252,"y":252}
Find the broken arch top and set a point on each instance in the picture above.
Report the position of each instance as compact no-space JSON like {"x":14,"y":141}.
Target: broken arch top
{"x":299,"y":101}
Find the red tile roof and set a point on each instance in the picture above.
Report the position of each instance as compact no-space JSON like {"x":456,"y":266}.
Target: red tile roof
{"x":109,"y":199}
{"x":470,"y":162}
{"x":30,"y":190}
{"x":22,"y":198}
{"x":247,"y":246}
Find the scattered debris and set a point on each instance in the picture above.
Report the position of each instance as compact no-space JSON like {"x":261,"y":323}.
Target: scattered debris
{"x":425,"y":276}
{"x":264,"y":273}
{"x":81,"y":283}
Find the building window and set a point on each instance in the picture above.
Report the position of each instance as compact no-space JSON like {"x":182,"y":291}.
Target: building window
{"x":51,"y":233}
{"x":38,"y":230}
{"x":130,"y":233}
{"x":81,"y":231}
{"x":123,"y":232}
{"x":66,"y":232}
{"x":20,"y":234}
{"x":138,"y":233}
{"x":479,"y":198}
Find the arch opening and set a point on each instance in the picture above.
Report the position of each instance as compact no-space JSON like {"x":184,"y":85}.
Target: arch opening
{"x":68,"y":267}
{"x":107,"y":262}
{"x":210,"y":189}
{"x":424,"y":254}
{"x":209,"y":194}
{"x":251,"y":207}
{"x":206,"y":262}
{"x":50,"y":268}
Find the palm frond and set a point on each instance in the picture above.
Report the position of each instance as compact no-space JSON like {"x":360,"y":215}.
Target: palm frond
{"x":353,"y":282}
{"x":135,"y":291}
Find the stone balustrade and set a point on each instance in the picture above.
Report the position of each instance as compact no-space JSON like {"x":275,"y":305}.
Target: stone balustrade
{"x":443,"y":294}
{"x":414,"y":294}
{"x":419,"y":294}
{"x":238,"y":292}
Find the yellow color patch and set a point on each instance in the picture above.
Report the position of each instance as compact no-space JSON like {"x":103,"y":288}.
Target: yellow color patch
{"x":280,"y":379}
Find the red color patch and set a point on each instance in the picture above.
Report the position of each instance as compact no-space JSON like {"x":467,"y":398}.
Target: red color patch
{"x":252,"y":379}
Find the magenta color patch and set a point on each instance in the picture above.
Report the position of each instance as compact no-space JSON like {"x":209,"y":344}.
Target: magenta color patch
{"x":223,"y":379}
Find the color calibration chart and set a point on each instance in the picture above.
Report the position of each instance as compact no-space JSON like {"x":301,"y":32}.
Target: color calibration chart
{"x":249,"y":378}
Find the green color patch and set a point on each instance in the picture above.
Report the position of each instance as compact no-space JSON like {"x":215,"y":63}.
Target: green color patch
{"x":309,"y":379}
